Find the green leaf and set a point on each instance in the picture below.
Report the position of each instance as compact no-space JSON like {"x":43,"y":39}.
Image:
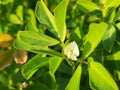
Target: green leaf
{"x":87,"y":5}
{"x":65,"y":68}
{"x":19,"y":44}
{"x":111,"y":16}
{"x":36,"y":38}
{"x":99,"y":78}
{"x":31,"y":27}
{"x":50,"y":80}
{"x":117,"y":16}
{"x":38,"y":86}
{"x":112,"y":3}
{"x":19,"y":12}
{"x":33,"y":65}
{"x":60,"y":81}
{"x":45,"y":17}
{"x":118,"y":26}
{"x":77,"y":35}
{"x":109,"y":38}
{"x":60,"y":12}
{"x":4,"y":79}
{"x":115,"y":56}
{"x":4,"y":2}
{"x":14,"y":19}
{"x":31,"y":16}
{"x":55,"y":24}
{"x":54,"y":63}
{"x":102,"y":1}
{"x":49,"y":52}
{"x":3,"y":87}
{"x":118,"y":72}
{"x":1,"y":31}
{"x":93,"y":38}
{"x":74,"y":82}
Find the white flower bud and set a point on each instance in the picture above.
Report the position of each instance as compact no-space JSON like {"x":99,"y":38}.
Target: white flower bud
{"x":72,"y":51}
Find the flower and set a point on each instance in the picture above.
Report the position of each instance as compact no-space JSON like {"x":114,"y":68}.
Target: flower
{"x":72,"y":51}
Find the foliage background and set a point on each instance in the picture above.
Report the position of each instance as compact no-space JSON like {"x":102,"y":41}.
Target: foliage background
{"x":82,"y":17}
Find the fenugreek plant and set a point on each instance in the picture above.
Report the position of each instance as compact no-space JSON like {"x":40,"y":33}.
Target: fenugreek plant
{"x":73,"y":46}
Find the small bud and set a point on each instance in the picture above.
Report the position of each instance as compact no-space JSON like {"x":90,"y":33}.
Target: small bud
{"x":72,"y":51}
{"x":24,"y":85}
{"x":20,"y":56}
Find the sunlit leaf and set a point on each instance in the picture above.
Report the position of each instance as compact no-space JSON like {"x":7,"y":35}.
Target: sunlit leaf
{"x":31,"y":16}
{"x":74,"y":83}
{"x":19,"y":44}
{"x":118,"y":72}
{"x":103,"y":1}
{"x":111,"y":3}
{"x":115,"y":56}
{"x":60,"y":11}
{"x":112,"y":16}
{"x":93,"y":38}
{"x":118,"y":26}
{"x":36,"y":38}
{"x":14,"y":19}
{"x":36,"y":42}
{"x":99,"y":77}
{"x":31,"y":27}
{"x":45,"y":17}
{"x":19,"y":12}
{"x":20,"y":56}
{"x":87,"y":5}
{"x":55,"y":24}
{"x":4,"y":2}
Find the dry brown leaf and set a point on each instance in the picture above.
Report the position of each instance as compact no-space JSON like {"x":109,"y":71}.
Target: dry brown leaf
{"x":2,"y":44}
{"x":5,"y":37}
{"x":6,"y":59}
{"x":20,"y":56}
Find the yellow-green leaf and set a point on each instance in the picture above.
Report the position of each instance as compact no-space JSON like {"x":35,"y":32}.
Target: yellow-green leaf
{"x":74,"y":83}
{"x":100,"y":78}
{"x":54,"y":63}
{"x":93,"y":38}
